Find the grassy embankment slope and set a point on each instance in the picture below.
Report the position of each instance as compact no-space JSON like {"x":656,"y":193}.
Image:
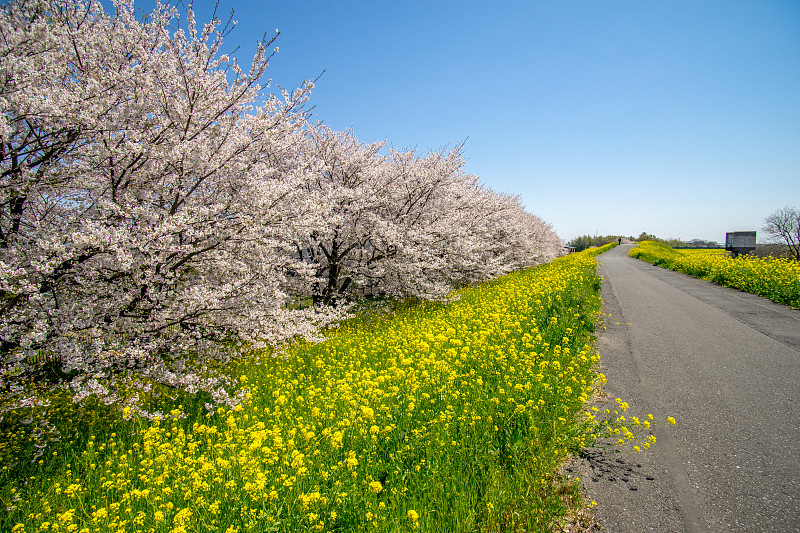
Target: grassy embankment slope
{"x":442,"y":418}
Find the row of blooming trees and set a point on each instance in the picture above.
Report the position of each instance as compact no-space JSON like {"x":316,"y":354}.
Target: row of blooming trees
{"x":156,"y":200}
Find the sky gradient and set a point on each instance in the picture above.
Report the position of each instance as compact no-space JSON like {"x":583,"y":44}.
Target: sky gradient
{"x":680,"y":118}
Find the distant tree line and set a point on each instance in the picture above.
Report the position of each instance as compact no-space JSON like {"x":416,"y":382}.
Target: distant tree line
{"x":587,"y":241}
{"x":693,"y":243}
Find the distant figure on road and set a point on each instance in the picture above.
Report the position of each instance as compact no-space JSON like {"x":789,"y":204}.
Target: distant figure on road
{"x":619,"y":240}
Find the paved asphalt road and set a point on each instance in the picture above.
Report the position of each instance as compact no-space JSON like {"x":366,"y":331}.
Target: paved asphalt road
{"x":726,"y":365}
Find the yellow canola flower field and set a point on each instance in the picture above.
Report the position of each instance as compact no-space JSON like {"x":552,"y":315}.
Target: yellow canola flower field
{"x":776,"y":278}
{"x":437,"y":418}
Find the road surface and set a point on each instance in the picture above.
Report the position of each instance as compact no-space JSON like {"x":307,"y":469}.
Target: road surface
{"x":726,"y":365}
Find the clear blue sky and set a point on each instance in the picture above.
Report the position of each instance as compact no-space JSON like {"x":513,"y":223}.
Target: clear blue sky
{"x":679,"y":118}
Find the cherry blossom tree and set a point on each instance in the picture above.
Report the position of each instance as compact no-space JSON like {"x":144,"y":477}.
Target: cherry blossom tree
{"x":386,"y":217}
{"x":148,"y":198}
{"x":513,"y":238}
{"x":490,"y":234}
{"x":350,"y":189}
{"x":406,"y":224}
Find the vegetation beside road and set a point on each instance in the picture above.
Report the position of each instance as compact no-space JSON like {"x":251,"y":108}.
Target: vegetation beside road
{"x":441,"y":417}
{"x":776,"y":278}
{"x":587,"y":241}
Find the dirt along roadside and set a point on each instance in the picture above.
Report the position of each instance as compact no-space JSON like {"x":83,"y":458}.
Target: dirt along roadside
{"x":725,"y":365}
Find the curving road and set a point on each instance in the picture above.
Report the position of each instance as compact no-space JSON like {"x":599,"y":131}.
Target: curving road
{"x":726,"y":365}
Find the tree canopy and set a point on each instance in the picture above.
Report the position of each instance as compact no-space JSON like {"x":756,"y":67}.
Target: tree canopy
{"x":158,"y":203}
